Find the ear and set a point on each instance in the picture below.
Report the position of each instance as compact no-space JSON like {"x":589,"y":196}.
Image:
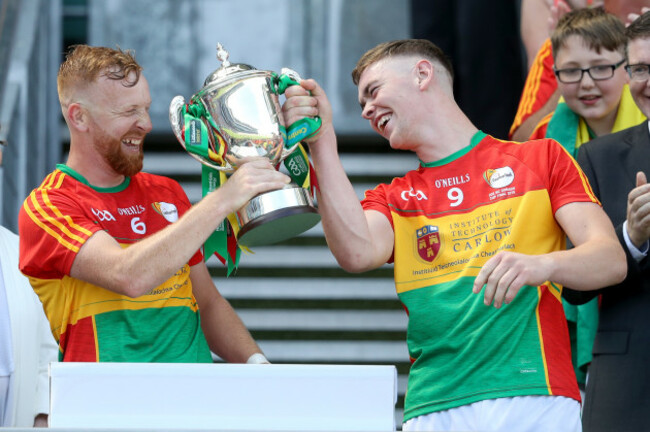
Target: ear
{"x":77,"y":117}
{"x":424,"y":73}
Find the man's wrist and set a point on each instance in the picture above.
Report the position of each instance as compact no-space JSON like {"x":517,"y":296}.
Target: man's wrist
{"x":637,"y":252}
{"x":257,"y":358}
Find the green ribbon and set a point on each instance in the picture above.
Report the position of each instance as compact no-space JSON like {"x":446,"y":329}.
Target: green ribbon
{"x":220,"y":239}
{"x":196,"y":135}
{"x":297,"y":163}
{"x":198,"y":127}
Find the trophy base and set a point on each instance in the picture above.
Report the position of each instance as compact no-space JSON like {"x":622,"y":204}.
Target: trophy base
{"x":276,"y":216}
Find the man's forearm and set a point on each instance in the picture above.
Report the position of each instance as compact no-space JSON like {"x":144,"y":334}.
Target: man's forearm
{"x":593,"y":265}
{"x":134,"y":271}
{"x":343,"y":219}
{"x":226,"y":334}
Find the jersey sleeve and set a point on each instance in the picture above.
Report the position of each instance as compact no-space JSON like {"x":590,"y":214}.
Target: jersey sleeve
{"x":539,"y":87}
{"x":52,"y":229}
{"x":183,"y":206}
{"x":567,"y":182}
{"x":376,"y":199}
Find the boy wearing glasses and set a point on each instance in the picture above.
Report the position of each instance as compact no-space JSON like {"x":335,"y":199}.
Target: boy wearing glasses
{"x":617,"y":167}
{"x":589,"y":52}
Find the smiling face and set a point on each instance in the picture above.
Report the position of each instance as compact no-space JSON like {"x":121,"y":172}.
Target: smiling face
{"x":387,"y":93}
{"x":119,"y":121}
{"x":595,"y":101}
{"x":638,"y":52}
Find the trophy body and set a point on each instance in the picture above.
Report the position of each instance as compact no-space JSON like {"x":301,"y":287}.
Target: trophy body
{"x":234,"y":117}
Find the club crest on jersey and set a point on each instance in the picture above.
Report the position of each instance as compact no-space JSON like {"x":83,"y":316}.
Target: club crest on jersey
{"x":427,"y":242}
{"x":167,"y":210}
{"x":500,"y":177}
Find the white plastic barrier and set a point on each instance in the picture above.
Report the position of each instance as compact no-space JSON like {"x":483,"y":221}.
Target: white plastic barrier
{"x":223,"y":396}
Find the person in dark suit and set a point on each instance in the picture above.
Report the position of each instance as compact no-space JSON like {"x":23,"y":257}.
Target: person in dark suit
{"x":617,"y":166}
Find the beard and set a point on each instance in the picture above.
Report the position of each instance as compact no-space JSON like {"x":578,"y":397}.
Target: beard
{"x":111,"y":150}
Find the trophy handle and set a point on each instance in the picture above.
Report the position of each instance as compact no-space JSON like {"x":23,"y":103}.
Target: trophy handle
{"x":303,"y":128}
{"x":199,"y":142}
{"x":177,"y":119}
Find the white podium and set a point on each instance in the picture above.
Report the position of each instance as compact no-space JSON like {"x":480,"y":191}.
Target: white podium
{"x":233,"y":397}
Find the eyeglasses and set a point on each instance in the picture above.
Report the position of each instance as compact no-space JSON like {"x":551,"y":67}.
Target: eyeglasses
{"x":638,"y":72}
{"x":597,"y":73}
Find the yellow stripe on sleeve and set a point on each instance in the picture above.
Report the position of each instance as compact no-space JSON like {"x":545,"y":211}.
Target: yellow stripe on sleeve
{"x":48,"y":230}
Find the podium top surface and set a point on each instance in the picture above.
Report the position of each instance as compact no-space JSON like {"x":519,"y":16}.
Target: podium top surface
{"x":222,"y":397}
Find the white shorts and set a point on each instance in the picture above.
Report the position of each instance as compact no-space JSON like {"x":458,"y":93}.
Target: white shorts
{"x":519,"y":413}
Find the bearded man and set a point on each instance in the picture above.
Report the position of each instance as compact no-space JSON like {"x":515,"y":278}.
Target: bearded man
{"x":114,"y":253}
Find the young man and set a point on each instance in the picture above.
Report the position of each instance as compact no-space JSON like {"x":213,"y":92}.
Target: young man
{"x":589,"y":53}
{"x":114,"y":253}
{"x":478,"y":216}
{"x":617,"y":166}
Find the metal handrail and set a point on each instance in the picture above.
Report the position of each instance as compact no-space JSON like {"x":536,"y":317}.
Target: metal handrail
{"x":30,"y":46}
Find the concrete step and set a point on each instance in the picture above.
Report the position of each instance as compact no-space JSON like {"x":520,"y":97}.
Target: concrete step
{"x":236,"y":288}
{"x":360,"y":352}
{"x":323,"y":320}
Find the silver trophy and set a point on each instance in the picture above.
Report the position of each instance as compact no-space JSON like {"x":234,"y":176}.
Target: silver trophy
{"x":236,"y":116}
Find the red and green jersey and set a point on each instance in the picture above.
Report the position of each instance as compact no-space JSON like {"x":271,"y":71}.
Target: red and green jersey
{"x":89,"y":322}
{"x":449,"y":218}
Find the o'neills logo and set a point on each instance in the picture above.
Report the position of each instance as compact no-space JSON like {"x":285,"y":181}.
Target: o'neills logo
{"x":130,"y":211}
{"x":427,"y":242}
{"x":500,"y":177}
{"x":167,"y":210}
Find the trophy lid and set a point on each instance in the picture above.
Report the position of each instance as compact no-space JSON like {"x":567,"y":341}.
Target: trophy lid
{"x":227,"y":69}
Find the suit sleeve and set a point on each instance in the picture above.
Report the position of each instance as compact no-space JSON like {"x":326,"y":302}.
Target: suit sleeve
{"x":573,"y":296}
{"x":635,"y":270}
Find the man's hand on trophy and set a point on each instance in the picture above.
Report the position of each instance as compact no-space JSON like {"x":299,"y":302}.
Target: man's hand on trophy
{"x":307,"y":100}
{"x":255,"y":176}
